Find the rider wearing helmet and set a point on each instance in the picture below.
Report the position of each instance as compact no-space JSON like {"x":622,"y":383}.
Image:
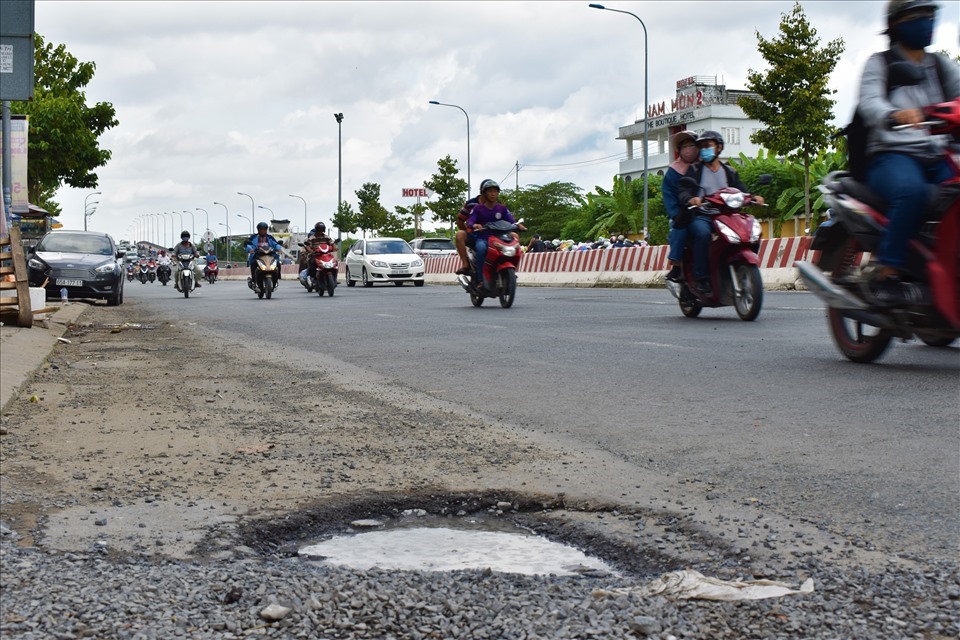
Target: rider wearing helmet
{"x":901,"y":165}
{"x":488,"y":210}
{"x":317,"y":236}
{"x":260,"y":239}
{"x":463,"y":239}
{"x":712,"y":175}
{"x":185,"y":246}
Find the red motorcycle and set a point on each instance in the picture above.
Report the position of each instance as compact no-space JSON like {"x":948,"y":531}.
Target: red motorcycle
{"x":861,"y":328}
{"x":211,"y":270}
{"x":499,"y":268}
{"x":323,"y":260}
{"x":733,"y":256}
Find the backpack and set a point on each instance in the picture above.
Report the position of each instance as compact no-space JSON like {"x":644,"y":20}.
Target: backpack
{"x":856,"y":131}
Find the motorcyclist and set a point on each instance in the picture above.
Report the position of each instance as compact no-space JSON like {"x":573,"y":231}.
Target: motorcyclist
{"x":317,"y":236}
{"x":163,"y":262}
{"x":685,"y":148}
{"x":488,"y":210}
{"x":185,"y":246}
{"x":260,"y":239}
{"x":901,"y":165}
{"x":712,"y":175}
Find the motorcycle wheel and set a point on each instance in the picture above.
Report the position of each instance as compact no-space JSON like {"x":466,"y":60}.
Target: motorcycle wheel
{"x":750,"y":298}
{"x":320,"y":290}
{"x":366,"y":279}
{"x":508,"y":287}
{"x":186,"y":289}
{"x":350,"y":281}
{"x":331,"y":284}
{"x":936,"y":341}
{"x":268,"y":287}
{"x":690,"y":307}
{"x":476,"y":300}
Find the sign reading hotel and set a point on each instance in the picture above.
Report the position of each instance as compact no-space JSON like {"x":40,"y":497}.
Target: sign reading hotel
{"x":690,"y":97}
{"x":418,"y":192}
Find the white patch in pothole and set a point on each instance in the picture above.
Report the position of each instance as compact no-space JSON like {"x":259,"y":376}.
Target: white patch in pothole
{"x":436,"y":548}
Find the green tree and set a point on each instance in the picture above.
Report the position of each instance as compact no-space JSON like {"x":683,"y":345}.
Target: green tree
{"x":794,"y":100}
{"x":396,"y":221}
{"x":345,"y":219}
{"x":619,"y":211}
{"x":64,"y":133}
{"x":371,"y":215}
{"x":545,"y":209}
{"x":451,"y":191}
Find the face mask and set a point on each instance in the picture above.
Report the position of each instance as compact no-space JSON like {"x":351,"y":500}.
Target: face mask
{"x":708,"y":154}
{"x":916,"y":34}
{"x":688,"y":154}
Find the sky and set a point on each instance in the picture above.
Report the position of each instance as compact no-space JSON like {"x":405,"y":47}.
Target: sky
{"x":220,"y":98}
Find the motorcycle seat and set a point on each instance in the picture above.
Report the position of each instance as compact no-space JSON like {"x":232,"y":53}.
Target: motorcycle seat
{"x":862,"y":192}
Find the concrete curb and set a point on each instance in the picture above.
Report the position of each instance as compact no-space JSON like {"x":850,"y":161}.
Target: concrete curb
{"x":23,"y":350}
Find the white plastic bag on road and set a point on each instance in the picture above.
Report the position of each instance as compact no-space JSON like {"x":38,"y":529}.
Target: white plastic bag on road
{"x":688,"y":585}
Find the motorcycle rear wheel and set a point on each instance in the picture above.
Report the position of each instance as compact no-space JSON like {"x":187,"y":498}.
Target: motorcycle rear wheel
{"x":690,"y":307}
{"x":858,"y":341}
{"x":937,"y":341}
{"x":750,"y":298}
{"x":508,"y":287}
{"x":476,"y":300}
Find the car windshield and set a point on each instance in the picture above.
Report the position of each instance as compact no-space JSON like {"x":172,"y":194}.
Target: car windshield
{"x":380,"y":247}
{"x":74,"y":243}
{"x":437,"y":244}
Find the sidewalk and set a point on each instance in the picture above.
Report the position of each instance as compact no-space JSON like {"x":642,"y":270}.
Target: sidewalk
{"x":23,"y":350}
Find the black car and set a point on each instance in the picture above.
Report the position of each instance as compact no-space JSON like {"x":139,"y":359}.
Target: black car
{"x":85,"y":263}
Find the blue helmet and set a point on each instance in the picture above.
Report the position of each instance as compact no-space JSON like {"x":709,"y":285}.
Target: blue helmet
{"x":262,"y":225}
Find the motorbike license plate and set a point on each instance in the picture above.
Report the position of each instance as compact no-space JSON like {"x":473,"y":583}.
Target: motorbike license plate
{"x":62,"y":282}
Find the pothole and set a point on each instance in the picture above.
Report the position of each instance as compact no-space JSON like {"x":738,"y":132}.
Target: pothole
{"x":417,"y":541}
{"x":446,"y":532}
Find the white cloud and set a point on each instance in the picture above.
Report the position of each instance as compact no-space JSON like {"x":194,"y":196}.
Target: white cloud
{"x":219,"y":97}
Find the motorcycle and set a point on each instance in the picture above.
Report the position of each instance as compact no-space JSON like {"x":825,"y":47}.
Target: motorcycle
{"x":323,"y":259}
{"x":131,"y":272}
{"x":861,"y":328}
{"x":163,"y":274}
{"x":733,"y":256}
{"x":499,"y":268}
{"x":185,"y":277}
{"x":143,"y":270}
{"x":151,"y":270}
{"x":211,"y":271}
{"x":266,"y":274}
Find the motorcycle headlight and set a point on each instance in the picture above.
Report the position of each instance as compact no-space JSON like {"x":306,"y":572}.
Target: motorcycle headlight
{"x":756,"y":231}
{"x":730,"y":234}
{"x":327,"y":265}
{"x":105,"y":268}
{"x":380,"y":264}
{"x":509,"y":250}
{"x":732,"y":200}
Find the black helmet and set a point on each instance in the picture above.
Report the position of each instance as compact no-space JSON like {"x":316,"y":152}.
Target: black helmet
{"x":489,"y":184}
{"x":320,"y":227}
{"x":185,"y":235}
{"x":711,"y":135}
{"x":896,"y":8}
{"x":262,"y":225}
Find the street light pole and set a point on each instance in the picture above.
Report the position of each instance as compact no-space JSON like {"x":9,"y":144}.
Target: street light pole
{"x":193,"y":226}
{"x":304,"y":214}
{"x":253,"y":212}
{"x":250,"y":220}
{"x":443,"y":104}
{"x":646,"y":104}
{"x":339,"y":117}
{"x":177,"y":213}
{"x":260,"y":206}
{"x":226,"y":213}
{"x":85,"y":215}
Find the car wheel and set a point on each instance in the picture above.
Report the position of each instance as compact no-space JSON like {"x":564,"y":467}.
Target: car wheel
{"x":366,"y":280}
{"x":398,"y":283}
{"x":117,"y":298}
{"x":418,"y":283}
{"x":350,"y":281}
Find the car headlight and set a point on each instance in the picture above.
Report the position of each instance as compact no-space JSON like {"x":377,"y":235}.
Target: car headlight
{"x":509,"y":251}
{"x":733,"y":200}
{"x":730,"y":234}
{"x":416,"y":263}
{"x":34,"y":263}
{"x":379,"y":264}
{"x":108,"y":267}
{"x":756,"y":231}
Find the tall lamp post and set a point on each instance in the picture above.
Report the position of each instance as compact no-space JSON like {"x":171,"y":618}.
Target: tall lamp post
{"x":260,"y":206}
{"x":177,"y":213}
{"x":443,"y":104}
{"x":193,"y":225}
{"x":164,"y":213}
{"x":339,"y":117}
{"x":253,"y":211}
{"x":646,"y":101}
{"x":304,"y":214}
{"x":226,"y":213}
{"x":86,"y":207}
{"x":250,"y":220}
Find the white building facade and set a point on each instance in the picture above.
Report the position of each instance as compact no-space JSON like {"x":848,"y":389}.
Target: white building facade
{"x":701,"y":104}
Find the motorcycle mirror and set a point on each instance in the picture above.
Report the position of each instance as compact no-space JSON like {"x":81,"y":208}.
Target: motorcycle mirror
{"x":764,"y":179}
{"x":904,"y":74}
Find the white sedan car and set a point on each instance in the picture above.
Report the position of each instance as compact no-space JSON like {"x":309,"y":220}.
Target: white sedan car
{"x":383,"y":260}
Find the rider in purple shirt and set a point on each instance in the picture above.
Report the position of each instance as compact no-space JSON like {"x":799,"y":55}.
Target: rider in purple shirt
{"x":488,"y":210}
